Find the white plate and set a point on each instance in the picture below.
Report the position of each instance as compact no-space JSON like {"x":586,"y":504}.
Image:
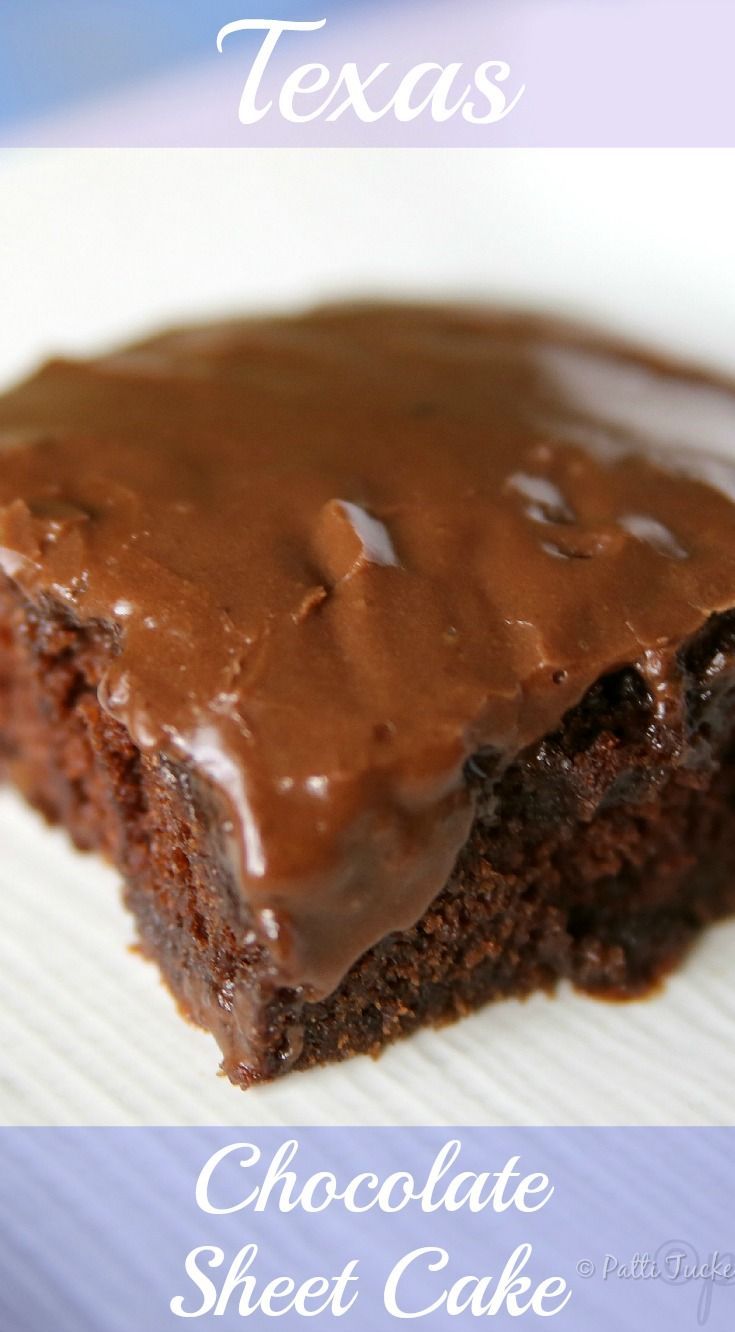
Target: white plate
{"x":95,"y":246}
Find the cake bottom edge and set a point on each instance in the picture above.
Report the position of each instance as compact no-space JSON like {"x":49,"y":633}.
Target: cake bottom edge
{"x":596,"y":856}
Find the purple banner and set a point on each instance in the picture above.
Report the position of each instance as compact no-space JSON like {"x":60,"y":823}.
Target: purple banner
{"x":476,"y":73}
{"x":149,"y":1229}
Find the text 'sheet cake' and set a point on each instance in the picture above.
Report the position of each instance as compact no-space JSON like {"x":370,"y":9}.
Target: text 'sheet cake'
{"x":389,"y":653}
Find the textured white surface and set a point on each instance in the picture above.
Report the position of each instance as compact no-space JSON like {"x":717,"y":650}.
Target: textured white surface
{"x":89,"y":1034}
{"x":96,"y":246}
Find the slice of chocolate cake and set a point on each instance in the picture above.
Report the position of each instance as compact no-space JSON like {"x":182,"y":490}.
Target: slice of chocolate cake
{"x":390,"y":654}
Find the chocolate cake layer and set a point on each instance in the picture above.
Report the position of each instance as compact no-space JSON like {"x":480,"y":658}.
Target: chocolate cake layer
{"x":386,"y":650}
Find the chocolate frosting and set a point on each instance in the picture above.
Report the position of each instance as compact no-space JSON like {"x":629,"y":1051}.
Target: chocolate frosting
{"x":341,"y":553}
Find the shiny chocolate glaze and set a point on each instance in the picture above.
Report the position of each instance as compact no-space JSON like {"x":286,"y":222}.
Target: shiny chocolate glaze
{"x":342,"y":553}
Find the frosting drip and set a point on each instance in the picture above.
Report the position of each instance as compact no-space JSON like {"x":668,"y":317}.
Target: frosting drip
{"x":341,"y":553}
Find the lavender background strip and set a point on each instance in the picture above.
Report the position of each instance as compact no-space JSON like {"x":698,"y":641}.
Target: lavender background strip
{"x":596,"y":72}
{"x":96,"y":1225}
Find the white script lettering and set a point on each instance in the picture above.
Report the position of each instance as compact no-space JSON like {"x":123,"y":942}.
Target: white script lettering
{"x":441,"y":1189}
{"x":514,"y":1293}
{"x":484,"y":101}
{"x":280,"y":1295}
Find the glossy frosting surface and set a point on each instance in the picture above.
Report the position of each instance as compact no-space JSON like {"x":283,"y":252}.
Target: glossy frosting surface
{"x":342,"y":552}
